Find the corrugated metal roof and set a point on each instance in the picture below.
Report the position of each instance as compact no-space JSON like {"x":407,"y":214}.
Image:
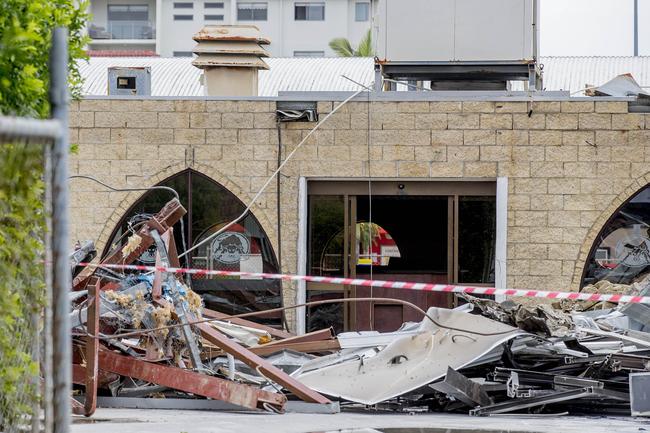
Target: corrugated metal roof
{"x":177,"y":77}
{"x":573,"y":73}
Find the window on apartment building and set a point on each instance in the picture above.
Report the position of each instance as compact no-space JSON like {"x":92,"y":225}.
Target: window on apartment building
{"x":128,"y":12}
{"x":182,"y":54}
{"x":309,"y":11}
{"x":213,"y":5}
{"x":361,"y":11}
{"x":257,"y":11}
{"x":183,"y":17}
{"x":129,"y":22}
{"x":621,"y":252}
{"x":211,"y":17}
{"x":309,"y":53}
{"x":243,"y":247}
{"x":183,"y":5}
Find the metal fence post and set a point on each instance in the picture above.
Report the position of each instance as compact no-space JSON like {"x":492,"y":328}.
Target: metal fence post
{"x":62,"y":371}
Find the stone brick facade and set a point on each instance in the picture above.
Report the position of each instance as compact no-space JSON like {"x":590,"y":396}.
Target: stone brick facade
{"x":570,"y":164}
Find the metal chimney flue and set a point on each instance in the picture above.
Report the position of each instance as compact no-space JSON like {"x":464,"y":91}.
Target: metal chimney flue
{"x":230,"y":57}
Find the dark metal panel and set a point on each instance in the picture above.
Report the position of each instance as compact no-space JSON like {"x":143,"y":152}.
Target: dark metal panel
{"x":405,"y":188}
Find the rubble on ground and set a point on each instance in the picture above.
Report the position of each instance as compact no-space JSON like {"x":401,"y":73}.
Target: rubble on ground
{"x":155,"y":339}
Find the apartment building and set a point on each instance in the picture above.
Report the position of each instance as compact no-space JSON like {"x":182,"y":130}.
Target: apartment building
{"x":165,"y":27}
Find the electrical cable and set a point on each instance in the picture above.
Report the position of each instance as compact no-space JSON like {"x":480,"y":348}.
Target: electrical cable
{"x":305,"y":304}
{"x":150,"y":188}
{"x":275,"y":173}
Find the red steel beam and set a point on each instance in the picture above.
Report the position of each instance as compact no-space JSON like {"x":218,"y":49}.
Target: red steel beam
{"x":169,"y":215}
{"x":92,"y":347}
{"x":188,"y":381}
{"x":266,"y":368}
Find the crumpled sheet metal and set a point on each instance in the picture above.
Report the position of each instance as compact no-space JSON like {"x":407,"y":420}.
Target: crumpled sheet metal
{"x":408,"y":362}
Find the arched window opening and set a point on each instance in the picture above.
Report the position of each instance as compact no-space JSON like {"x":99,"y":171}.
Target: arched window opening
{"x":243,"y":247}
{"x":621,"y":252}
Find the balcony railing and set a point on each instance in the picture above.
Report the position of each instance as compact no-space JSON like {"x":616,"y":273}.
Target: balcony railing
{"x":123,"y":30}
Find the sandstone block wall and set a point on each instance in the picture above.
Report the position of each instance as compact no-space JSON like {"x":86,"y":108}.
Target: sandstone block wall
{"x":570,"y":164}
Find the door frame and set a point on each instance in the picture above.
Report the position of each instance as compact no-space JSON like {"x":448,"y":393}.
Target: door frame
{"x":389,"y":186}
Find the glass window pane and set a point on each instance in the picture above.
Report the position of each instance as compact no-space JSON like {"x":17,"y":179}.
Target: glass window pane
{"x":362,"y":11}
{"x":326,"y":235}
{"x":257,"y":11}
{"x":300,"y":13}
{"x":243,"y":247}
{"x":476,"y":239}
{"x":128,"y":12}
{"x":621,"y":254}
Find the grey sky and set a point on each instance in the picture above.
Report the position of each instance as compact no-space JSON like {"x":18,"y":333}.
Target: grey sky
{"x":592,"y":27}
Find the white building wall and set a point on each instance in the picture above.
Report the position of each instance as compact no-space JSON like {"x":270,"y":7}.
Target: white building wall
{"x":286,"y":34}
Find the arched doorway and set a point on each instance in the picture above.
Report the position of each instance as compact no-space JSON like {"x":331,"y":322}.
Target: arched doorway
{"x":621,"y":251}
{"x":243,"y":247}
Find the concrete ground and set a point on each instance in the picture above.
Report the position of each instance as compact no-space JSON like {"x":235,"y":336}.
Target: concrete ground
{"x":175,"y":421}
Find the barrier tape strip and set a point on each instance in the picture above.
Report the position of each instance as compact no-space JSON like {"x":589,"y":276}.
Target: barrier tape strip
{"x":427,"y":287}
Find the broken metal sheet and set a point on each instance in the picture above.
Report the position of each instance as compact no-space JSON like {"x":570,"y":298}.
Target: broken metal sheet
{"x":409,"y":362}
{"x":356,"y":340}
{"x":246,"y":335}
{"x":621,"y":85}
{"x":556,"y":397}
{"x":635,"y":341}
{"x":463,"y":389}
{"x":639,"y":395}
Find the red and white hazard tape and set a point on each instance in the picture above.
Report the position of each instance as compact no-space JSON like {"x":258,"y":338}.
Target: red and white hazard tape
{"x":448,"y":288}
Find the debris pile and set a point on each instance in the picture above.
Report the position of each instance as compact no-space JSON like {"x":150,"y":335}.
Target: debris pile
{"x":149,"y":335}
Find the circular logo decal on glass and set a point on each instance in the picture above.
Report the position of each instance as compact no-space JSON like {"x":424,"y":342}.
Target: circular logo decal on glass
{"x":229,"y":247}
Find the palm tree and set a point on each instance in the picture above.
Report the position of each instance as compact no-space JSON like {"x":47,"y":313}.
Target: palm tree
{"x":344,"y":48}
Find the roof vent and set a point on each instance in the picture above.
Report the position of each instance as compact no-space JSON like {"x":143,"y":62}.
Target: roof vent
{"x":230,"y":57}
{"x":129,"y":81}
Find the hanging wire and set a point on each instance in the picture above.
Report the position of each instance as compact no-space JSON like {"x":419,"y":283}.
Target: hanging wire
{"x":275,"y":173}
{"x":150,"y":188}
{"x":290,"y":307}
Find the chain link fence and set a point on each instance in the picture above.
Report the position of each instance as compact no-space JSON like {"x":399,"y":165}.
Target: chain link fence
{"x":25,"y":313}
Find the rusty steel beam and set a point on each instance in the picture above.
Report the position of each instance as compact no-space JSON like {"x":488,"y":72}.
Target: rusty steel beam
{"x":92,"y":347}
{"x":169,"y":215}
{"x":277,"y":333}
{"x":103,"y":377}
{"x":188,"y":381}
{"x":261,"y":365}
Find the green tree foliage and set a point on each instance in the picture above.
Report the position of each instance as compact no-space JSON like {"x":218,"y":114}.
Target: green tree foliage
{"x":25,"y":39}
{"x":343,"y":48}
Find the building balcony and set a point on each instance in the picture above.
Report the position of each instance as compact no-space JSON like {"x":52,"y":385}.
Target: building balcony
{"x":137,"y":32}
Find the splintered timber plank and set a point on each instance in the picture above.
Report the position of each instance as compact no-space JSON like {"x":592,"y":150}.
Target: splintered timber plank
{"x":188,"y":381}
{"x":266,"y":368}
